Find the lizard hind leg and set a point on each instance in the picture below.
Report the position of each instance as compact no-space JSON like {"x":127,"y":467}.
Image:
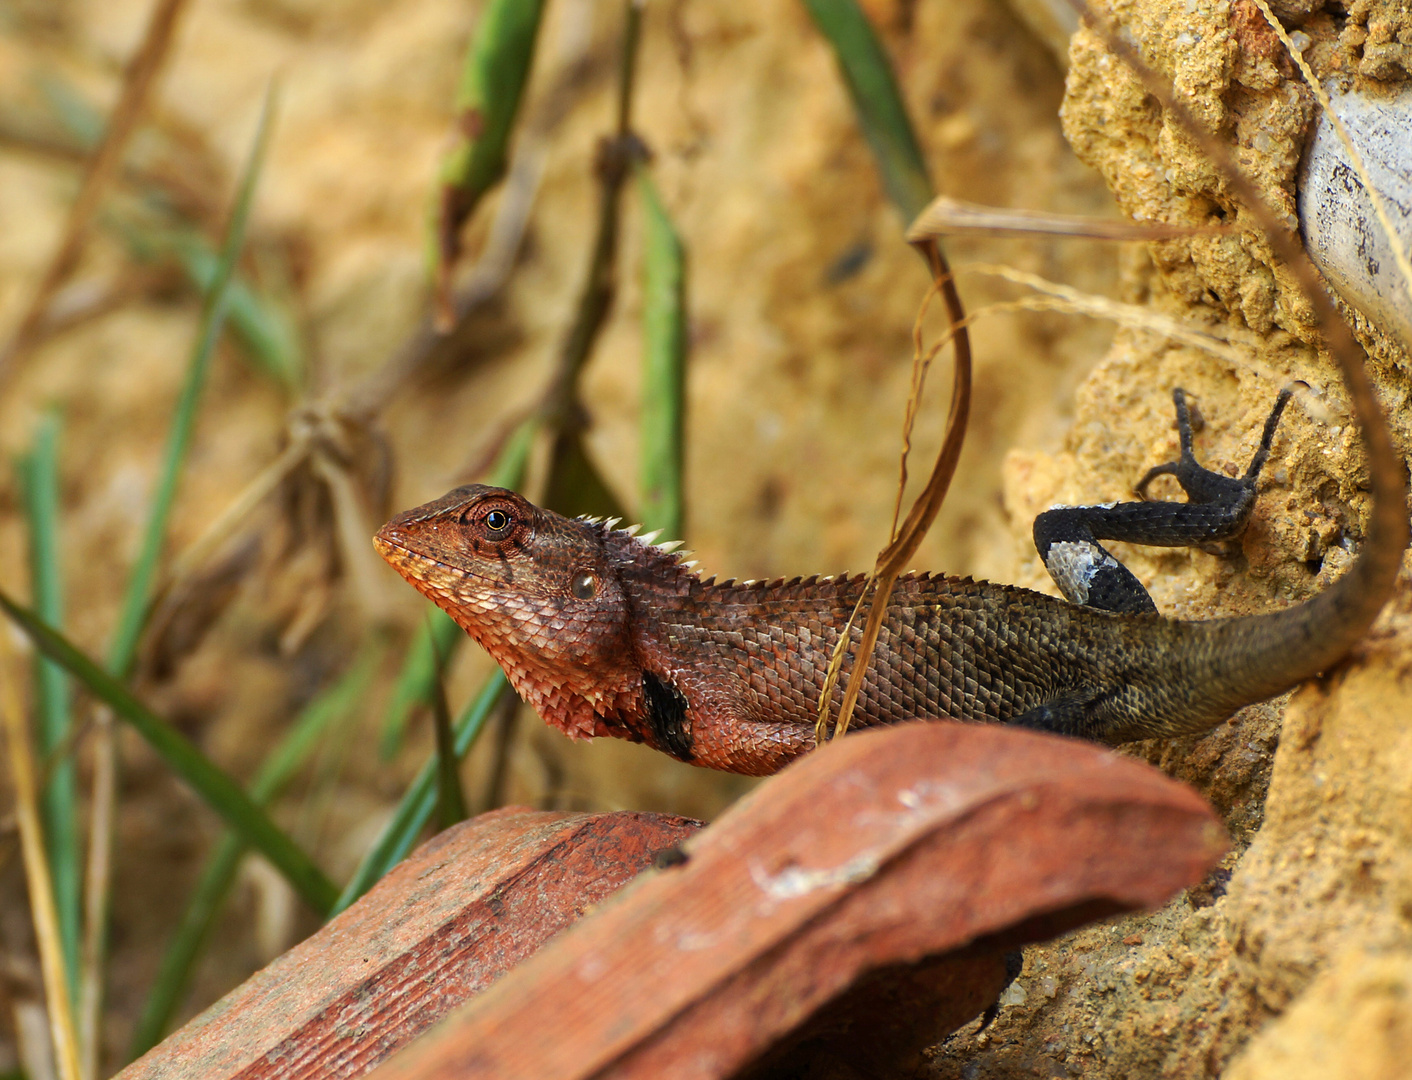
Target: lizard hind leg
{"x":1217,"y":508}
{"x":1072,"y":715}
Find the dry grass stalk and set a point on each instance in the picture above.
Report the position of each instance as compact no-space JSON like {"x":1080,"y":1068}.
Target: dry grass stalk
{"x":945,"y":216}
{"x":97,"y":891}
{"x":893,"y":559}
{"x":103,"y":167}
{"x":37,"y":876}
{"x":1065,"y":298}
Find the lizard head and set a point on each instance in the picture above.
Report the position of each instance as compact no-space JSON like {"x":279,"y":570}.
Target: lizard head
{"x":538,"y":591}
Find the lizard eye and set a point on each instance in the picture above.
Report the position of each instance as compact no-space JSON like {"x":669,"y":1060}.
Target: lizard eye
{"x":497,"y":521}
{"x":584,"y":586}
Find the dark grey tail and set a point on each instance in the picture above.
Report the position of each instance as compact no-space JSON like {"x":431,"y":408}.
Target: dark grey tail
{"x":1259,"y":656}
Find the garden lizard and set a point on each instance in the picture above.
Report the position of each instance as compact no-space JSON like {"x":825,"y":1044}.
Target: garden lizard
{"x":606,"y":633}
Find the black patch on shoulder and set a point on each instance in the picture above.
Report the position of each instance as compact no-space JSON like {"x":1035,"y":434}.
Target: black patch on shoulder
{"x":666,"y":712}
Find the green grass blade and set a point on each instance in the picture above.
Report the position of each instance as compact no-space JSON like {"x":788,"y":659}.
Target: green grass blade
{"x":265,"y":331}
{"x":664,"y":364}
{"x":437,"y":636}
{"x":450,"y":799}
{"x":882,"y":116}
{"x":78,"y":116}
{"x":419,"y":802}
{"x":215,"y":787}
{"x":187,"y":943}
{"x":333,"y":706}
{"x":487,"y":100}
{"x":336,"y":703}
{"x":135,"y":602}
{"x":575,"y":485}
{"x":509,"y":468}
{"x":39,"y":479}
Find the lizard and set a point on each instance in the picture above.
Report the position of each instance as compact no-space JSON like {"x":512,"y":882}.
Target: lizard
{"x":608,"y":633}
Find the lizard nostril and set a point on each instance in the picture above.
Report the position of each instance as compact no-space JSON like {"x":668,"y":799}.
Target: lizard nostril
{"x":584,"y":585}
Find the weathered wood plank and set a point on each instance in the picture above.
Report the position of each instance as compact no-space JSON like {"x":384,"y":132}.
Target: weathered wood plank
{"x":444,"y":924}
{"x":892,"y":857}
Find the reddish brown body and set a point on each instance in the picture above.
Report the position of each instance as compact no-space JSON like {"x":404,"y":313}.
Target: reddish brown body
{"x":606,"y":634}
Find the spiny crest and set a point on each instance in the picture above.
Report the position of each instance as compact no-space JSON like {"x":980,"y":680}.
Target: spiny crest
{"x":775,"y":584}
{"x":647,"y":541}
{"x":606,"y":523}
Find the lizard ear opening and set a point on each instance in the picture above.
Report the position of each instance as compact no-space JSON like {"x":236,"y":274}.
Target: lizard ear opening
{"x":584,"y":585}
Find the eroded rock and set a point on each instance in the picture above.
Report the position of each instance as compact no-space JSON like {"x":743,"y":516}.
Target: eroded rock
{"x":1321,"y":876}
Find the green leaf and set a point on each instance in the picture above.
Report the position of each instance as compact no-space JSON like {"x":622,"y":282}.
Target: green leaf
{"x":135,"y":602}
{"x":436,"y":636}
{"x":419,"y":803}
{"x":334,"y":705}
{"x":868,"y":75}
{"x":215,"y":787}
{"x":39,"y":480}
{"x":492,"y":83}
{"x":664,"y":364}
{"x":450,"y":799}
{"x":266,"y":331}
{"x":575,"y":485}
{"x":72,"y":109}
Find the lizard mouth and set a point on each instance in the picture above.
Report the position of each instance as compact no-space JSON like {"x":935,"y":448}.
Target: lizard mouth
{"x":415,"y":565}
{"x":446,"y":584}
{"x":397,"y":547}
{"x":387,"y":543}
{"x":394,"y":550}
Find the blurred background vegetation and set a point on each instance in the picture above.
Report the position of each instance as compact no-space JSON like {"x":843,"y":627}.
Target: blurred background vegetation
{"x":271,"y":270}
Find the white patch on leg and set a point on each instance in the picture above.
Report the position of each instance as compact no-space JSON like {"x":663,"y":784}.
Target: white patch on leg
{"x":1072,"y":564}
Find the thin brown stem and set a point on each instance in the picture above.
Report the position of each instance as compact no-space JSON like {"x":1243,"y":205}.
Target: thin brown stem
{"x":138,"y":81}
{"x":37,"y":875}
{"x":893,"y":559}
{"x":97,"y":891}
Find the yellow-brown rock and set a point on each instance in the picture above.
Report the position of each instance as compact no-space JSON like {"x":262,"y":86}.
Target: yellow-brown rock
{"x":1354,"y":1022}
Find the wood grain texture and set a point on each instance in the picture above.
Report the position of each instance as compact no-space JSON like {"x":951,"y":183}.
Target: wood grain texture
{"x":442,"y":926}
{"x":887,"y":850}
